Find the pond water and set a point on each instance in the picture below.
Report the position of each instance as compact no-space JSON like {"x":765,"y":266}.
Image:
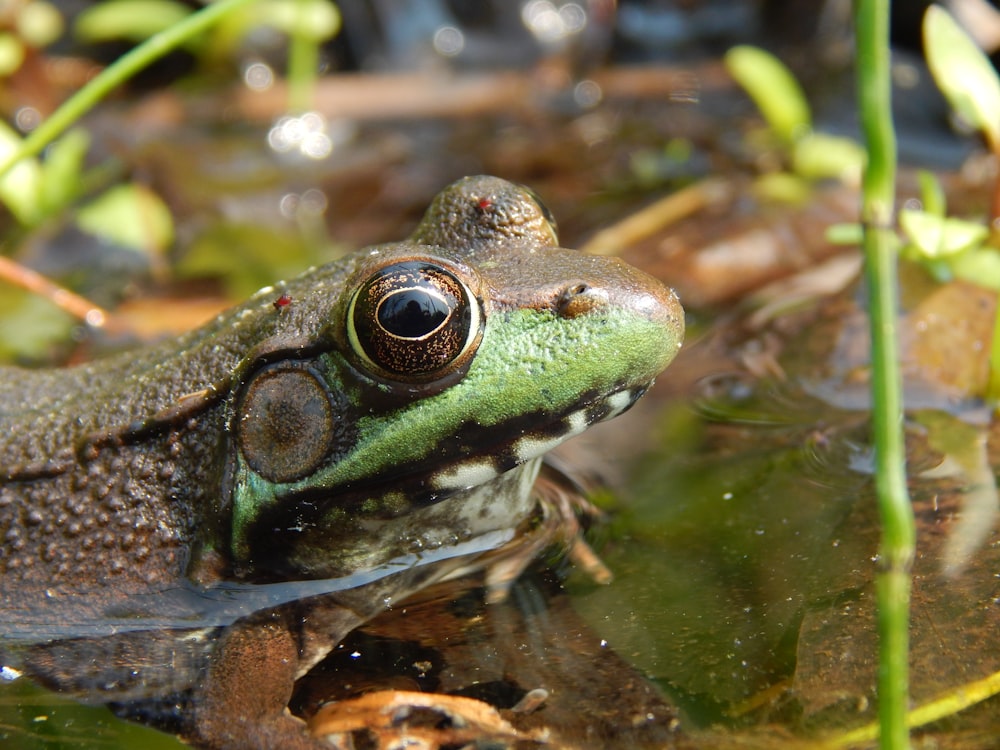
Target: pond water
{"x":745,"y":578}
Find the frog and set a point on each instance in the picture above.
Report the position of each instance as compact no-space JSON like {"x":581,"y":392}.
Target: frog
{"x":190,"y":527}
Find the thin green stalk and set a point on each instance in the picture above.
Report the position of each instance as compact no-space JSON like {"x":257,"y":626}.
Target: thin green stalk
{"x":993,"y":387}
{"x":303,"y":61}
{"x":896,"y":549}
{"x":117,"y":73}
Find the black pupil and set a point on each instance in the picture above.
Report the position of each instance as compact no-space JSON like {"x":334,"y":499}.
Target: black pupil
{"x":412,"y":313}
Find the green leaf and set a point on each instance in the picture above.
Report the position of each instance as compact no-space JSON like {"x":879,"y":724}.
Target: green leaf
{"x":39,"y":23}
{"x":129,"y":215}
{"x":980,"y":267}
{"x":316,"y":20}
{"x":845,"y":234}
{"x":11,"y":53}
{"x":134,"y":20}
{"x":938,"y":236}
{"x":244,"y":257}
{"x":61,"y":171}
{"x":19,"y":188}
{"x":773,"y":89}
{"x":313,"y":19}
{"x":963,"y":73}
{"x":31,"y":327}
{"x":817,"y":156}
{"x":782,"y":187}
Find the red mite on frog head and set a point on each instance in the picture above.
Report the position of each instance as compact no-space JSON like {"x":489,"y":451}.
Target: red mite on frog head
{"x":282,"y":302}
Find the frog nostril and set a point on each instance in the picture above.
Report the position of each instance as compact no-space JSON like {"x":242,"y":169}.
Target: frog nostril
{"x":579,"y":298}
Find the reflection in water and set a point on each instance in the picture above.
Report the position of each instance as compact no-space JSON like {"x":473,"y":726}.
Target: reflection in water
{"x":183,"y":659}
{"x":219,"y":605}
{"x":745,"y":576}
{"x":448,"y":640}
{"x":965,"y":456}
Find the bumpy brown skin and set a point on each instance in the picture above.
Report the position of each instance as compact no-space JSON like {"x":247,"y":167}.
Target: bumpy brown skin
{"x":110,"y":487}
{"x":111,"y":473}
{"x":113,"y":486}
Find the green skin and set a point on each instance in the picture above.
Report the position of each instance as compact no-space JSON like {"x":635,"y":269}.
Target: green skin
{"x":123,"y":490}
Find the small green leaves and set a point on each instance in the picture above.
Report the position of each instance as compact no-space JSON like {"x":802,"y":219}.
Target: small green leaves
{"x":35,"y":190}
{"x":940,"y":236}
{"x":773,"y":89}
{"x":845,"y":233}
{"x":963,"y":73}
{"x":213,"y":254}
{"x":810,"y":156}
{"x":947,"y":247}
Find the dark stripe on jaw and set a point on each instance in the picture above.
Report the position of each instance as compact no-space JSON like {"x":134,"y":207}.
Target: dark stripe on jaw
{"x":306,"y":509}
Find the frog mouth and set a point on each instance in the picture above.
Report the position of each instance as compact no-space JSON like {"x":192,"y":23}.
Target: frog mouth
{"x":532,"y":442}
{"x":480,"y":459}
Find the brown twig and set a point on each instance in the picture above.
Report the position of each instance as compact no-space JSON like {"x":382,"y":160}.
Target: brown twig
{"x":79,"y":307}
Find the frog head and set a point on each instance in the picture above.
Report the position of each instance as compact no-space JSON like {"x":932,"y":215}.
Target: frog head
{"x":401,"y":405}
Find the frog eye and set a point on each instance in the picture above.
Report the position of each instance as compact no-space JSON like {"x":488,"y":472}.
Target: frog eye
{"x":286,"y":424}
{"x":414,"y":321}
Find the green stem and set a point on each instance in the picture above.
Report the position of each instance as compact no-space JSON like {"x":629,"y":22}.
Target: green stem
{"x":303,"y":61}
{"x":896,"y":549}
{"x":117,"y":73}
{"x":993,"y":387}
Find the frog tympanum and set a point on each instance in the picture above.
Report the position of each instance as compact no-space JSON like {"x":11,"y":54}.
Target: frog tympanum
{"x":200,"y":522}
